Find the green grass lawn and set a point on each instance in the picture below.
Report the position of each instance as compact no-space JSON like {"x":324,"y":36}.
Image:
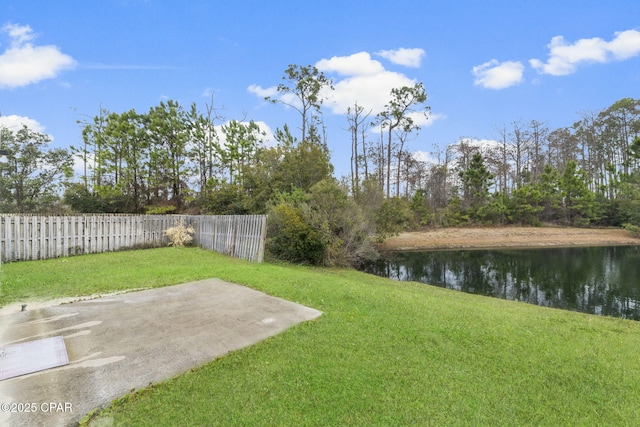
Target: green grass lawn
{"x":383,"y":353}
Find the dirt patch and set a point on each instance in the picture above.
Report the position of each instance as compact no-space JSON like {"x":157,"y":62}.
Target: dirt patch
{"x":522,"y":237}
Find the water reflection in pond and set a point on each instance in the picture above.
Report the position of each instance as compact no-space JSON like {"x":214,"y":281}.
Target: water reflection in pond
{"x":596,"y":280}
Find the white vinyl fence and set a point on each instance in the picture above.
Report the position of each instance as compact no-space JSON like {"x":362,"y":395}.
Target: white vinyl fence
{"x":30,"y":237}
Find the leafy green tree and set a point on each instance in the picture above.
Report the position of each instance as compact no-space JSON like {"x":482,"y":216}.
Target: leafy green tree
{"x":89,"y":153}
{"x":33,"y":175}
{"x":476,"y":182}
{"x":305,"y":165}
{"x":263,"y":180}
{"x":129,"y":140}
{"x":302,"y":91}
{"x":454,"y":214}
{"x":323,"y":226}
{"x":104,"y":200}
{"x":226,"y":199}
{"x":348,"y":234}
{"x":285,"y":168}
{"x":119,"y":180}
{"x":168,"y":134}
{"x":291,"y":235}
{"x":551,"y":197}
{"x":80,"y":199}
{"x":563,"y":147}
{"x":370,"y":198}
{"x":393,"y":217}
{"x":242,"y":142}
{"x":396,"y":117}
{"x":527,"y":204}
{"x":578,"y":200}
{"x":634,"y":148}
{"x":204,"y":146}
{"x":621,"y":122}
{"x":628,"y":199}
{"x":495,"y":211}
{"x":420,"y":208}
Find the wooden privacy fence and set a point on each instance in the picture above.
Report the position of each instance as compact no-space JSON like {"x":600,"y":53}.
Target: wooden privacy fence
{"x":30,"y":237}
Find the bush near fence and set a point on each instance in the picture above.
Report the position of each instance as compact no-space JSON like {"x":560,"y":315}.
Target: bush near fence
{"x":31,"y":237}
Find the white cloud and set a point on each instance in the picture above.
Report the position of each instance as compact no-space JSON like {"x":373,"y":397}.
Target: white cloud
{"x":370,"y":91}
{"x":288,"y":99}
{"x":15,"y":123}
{"x":268,"y":139}
{"x":497,"y":75}
{"x":403,"y":56}
{"x":359,"y":79}
{"x":358,"y":64}
{"x":424,"y":156}
{"x":625,"y":45}
{"x":364,"y":81}
{"x":564,"y":58}
{"x":23,"y":63}
{"x":262,"y":92}
{"x":422,"y":120}
{"x":20,"y":34}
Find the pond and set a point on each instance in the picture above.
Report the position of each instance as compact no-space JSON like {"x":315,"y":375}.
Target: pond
{"x":596,"y":280}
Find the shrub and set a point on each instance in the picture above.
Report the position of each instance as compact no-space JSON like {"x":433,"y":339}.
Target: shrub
{"x":180,"y":235}
{"x":225,"y":199}
{"x":160,"y":209}
{"x":393,"y":217}
{"x":348,"y":233}
{"x":320,"y":227}
{"x":633,"y":229}
{"x":292,"y":236}
{"x":421,"y":213}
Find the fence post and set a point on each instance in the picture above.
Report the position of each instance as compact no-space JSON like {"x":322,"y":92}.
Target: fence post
{"x":263,"y":237}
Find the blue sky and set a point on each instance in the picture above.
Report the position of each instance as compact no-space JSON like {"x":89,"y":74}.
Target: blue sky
{"x":484,"y":64}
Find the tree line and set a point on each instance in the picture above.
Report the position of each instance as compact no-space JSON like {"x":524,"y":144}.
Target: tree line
{"x":177,"y":159}
{"x":579,"y":175}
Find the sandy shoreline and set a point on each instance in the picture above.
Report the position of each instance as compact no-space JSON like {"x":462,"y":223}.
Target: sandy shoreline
{"x":513,"y":237}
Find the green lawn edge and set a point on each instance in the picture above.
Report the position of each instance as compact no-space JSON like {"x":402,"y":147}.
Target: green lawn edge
{"x":383,"y":353}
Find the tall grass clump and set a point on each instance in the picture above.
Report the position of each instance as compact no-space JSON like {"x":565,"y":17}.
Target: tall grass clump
{"x":180,"y":235}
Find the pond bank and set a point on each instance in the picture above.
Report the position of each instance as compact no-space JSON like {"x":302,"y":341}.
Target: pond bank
{"x":513,"y":237}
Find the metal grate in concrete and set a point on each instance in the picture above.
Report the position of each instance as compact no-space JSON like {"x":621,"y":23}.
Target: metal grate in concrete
{"x":32,"y":356}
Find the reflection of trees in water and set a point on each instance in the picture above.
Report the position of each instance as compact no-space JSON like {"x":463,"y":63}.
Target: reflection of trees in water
{"x":597,"y":280}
